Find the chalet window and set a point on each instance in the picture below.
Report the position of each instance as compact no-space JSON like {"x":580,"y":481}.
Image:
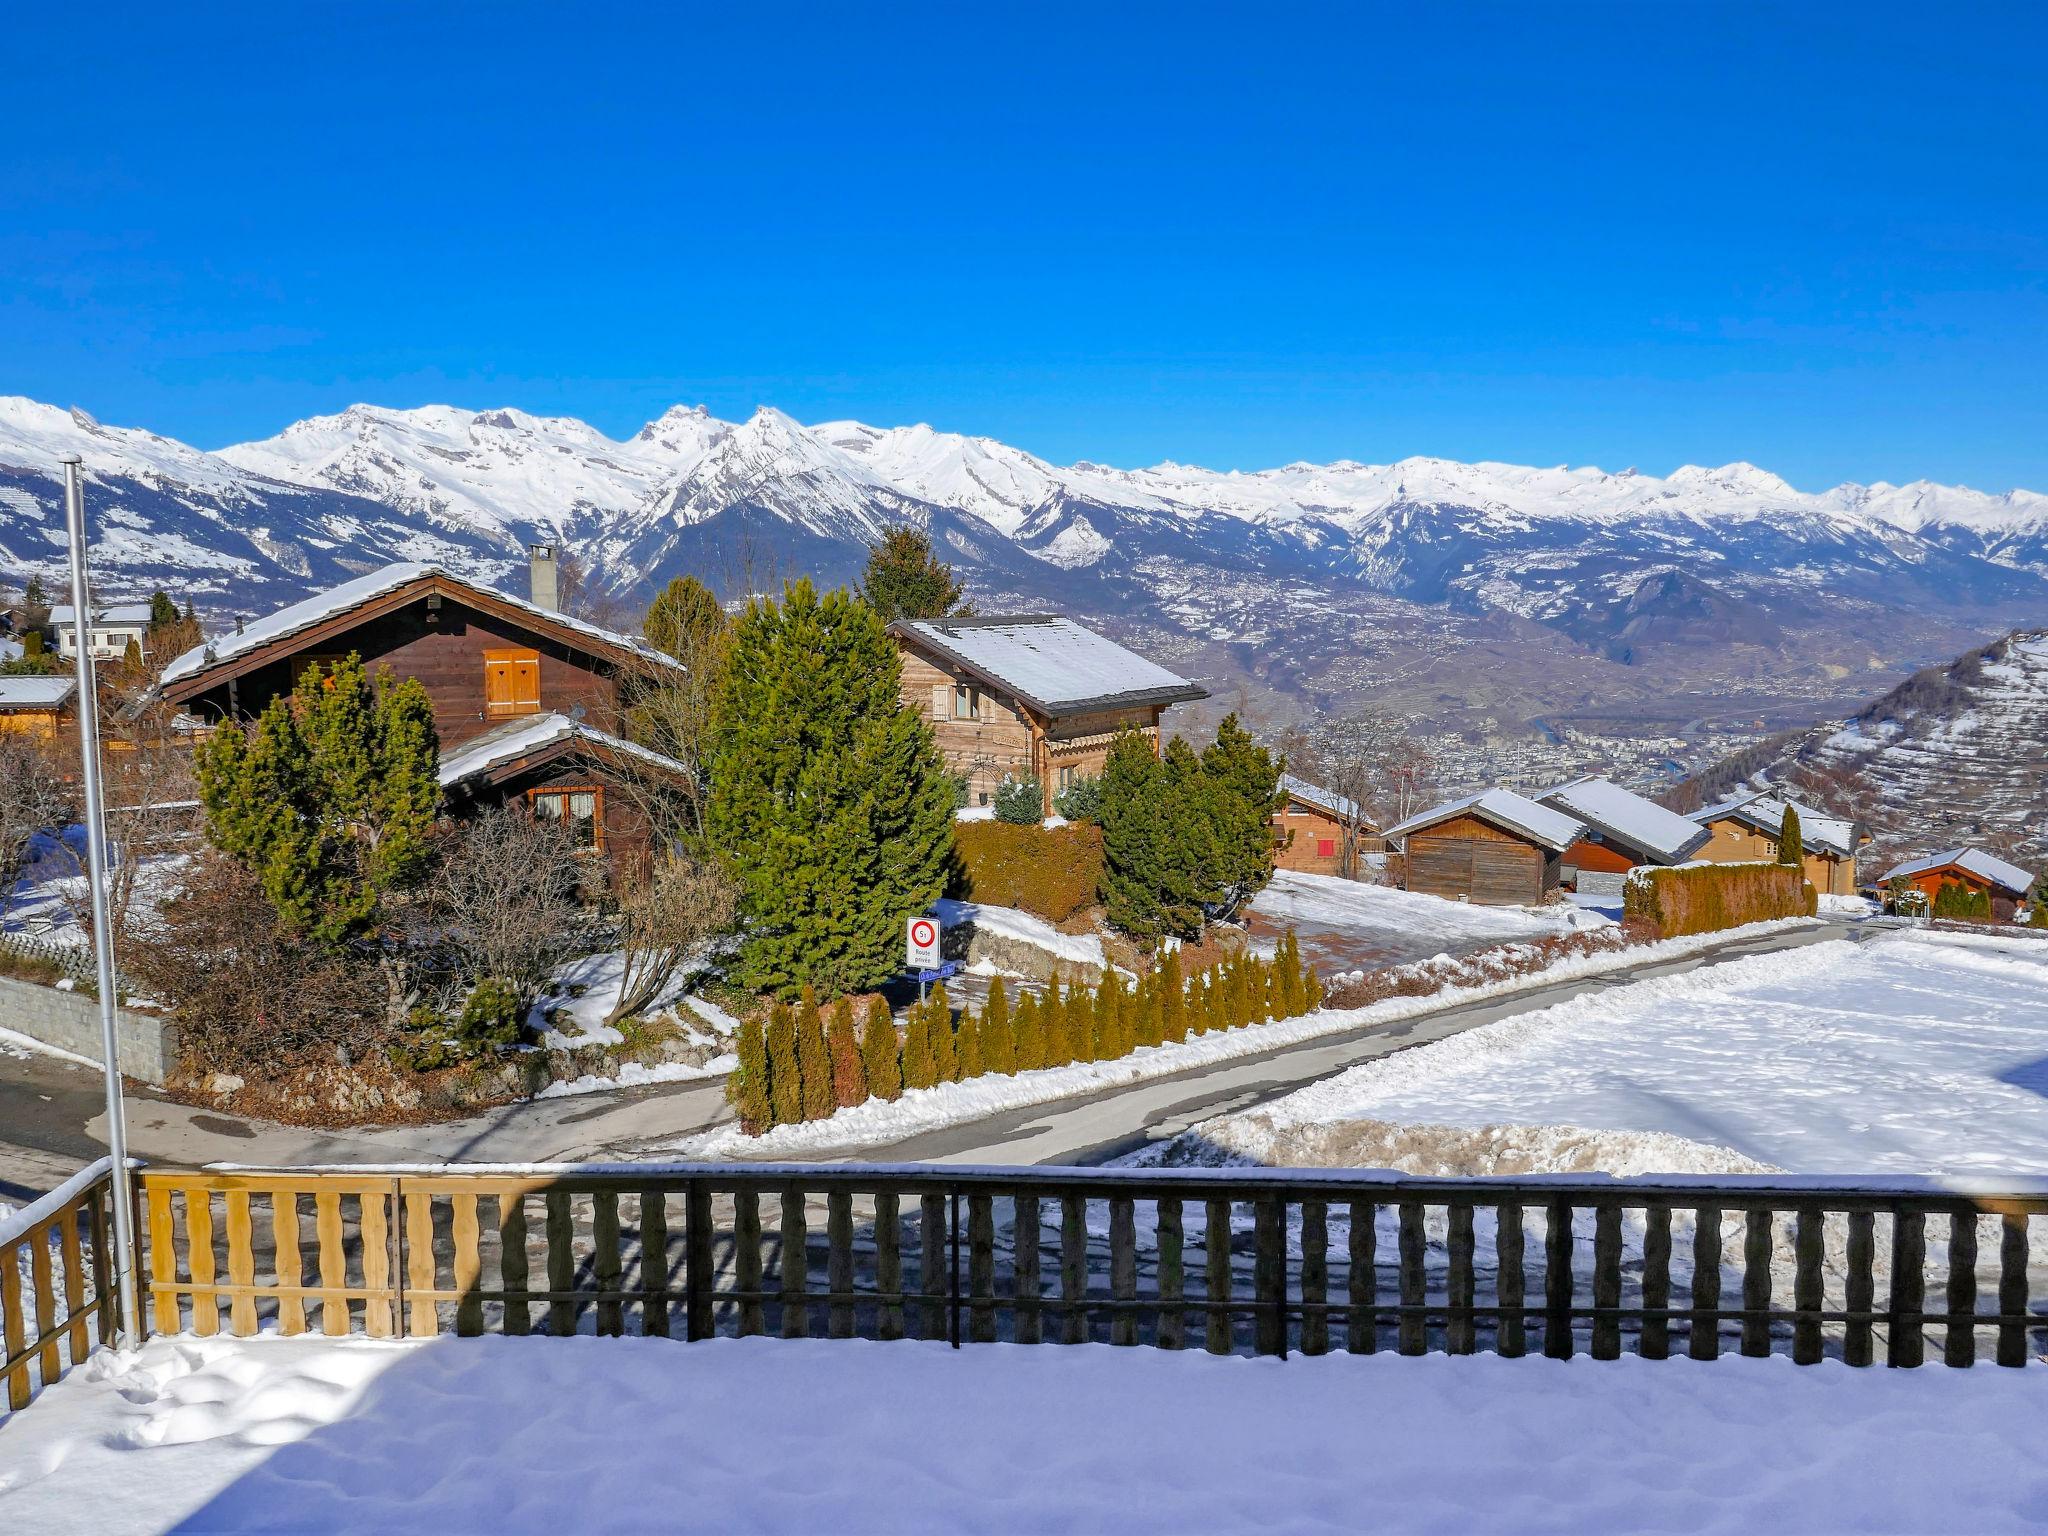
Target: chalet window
{"x":582,"y":807}
{"x":511,"y":683}
{"x":1296,"y":808}
{"x":323,"y":662}
{"x":1066,"y":777}
{"x":966,"y":702}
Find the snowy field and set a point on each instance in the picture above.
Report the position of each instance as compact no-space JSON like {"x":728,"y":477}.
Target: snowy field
{"x":758,"y":1435}
{"x":1347,"y":923}
{"x":1911,"y":1053}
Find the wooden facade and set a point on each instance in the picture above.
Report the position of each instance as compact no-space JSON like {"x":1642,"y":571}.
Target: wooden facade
{"x":575,"y":781}
{"x":1734,"y":841}
{"x":2005,"y":902}
{"x":1308,"y":839}
{"x":1468,"y":858}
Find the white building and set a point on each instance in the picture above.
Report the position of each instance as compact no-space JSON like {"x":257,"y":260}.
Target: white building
{"x":112,"y":628}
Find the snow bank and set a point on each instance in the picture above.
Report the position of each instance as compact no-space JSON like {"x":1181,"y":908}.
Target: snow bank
{"x":1294,"y":897}
{"x":322,"y":1436}
{"x":635,"y":1075}
{"x":1025,"y":927}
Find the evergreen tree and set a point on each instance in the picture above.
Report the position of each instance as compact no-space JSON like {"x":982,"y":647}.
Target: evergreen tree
{"x":32,"y":643}
{"x":329,"y":797}
{"x":685,"y":621}
{"x":1275,"y":990}
{"x":1028,"y":1028}
{"x":1791,"y":845}
{"x":785,"y":1078}
{"x":905,"y":580}
{"x":998,"y":1040}
{"x":162,"y":611}
{"x":1134,"y":837}
{"x":945,"y":1044}
{"x":883,"y":1071}
{"x":849,"y":1072}
{"x":1196,"y":1008}
{"x":1173,"y":1002}
{"x":35,"y":594}
{"x":1311,"y":990}
{"x":1242,"y":791}
{"x":919,"y":1071}
{"x":131,"y":657}
{"x":1052,"y":1028}
{"x":747,"y":1089}
{"x":1020,"y":802}
{"x":971,"y":1049}
{"x":828,"y":797}
{"x":1148,"y":1023}
{"x":1289,"y":966}
{"x":1101,"y":1044}
{"x":813,"y":1058}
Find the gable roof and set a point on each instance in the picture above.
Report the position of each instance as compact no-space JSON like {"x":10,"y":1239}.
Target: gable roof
{"x":36,"y":692}
{"x":1626,"y":817}
{"x":532,"y":735}
{"x":1323,"y":799}
{"x":1553,"y":829}
{"x":1049,"y":662}
{"x":1983,"y":865}
{"x":105,"y":613}
{"x":1765,"y":811}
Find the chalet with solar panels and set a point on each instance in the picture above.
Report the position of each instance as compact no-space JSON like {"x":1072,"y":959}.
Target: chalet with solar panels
{"x":1031,"y":696}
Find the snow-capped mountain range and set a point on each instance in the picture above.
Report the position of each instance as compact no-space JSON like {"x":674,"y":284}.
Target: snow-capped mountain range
{"x":1621,"y":566}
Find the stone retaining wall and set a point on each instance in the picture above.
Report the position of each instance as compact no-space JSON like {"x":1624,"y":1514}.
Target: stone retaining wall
{"x":71,"y":1022}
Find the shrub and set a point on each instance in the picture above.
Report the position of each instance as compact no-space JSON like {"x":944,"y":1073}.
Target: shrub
{"x":785,"y":1079}
{"x":490,"y":1015}
{"x":849,"y":1075}
{"x":813,"y":1058}
{"x":1020,"y":802}
{"x":1706,"y":898}
{"x":998,"y":1031}
{"x":747,"y":1089}
{"x":878,"y":1052}
{"x":1960,"y":903}
{"x":1051,"y":872}
{"x":2040,"y":917}
{"x":1081,"y":800}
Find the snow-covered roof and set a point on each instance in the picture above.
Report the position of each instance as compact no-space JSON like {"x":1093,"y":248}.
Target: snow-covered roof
{"x":109,"y":613}
{"x":1983,"y":865}
{"x":1643,"y":825}
{"x":1766,"y":812}
{"x":1314,"y":794}
{"x":35,"y":692}
{"x":322,"y":606}
{"x":1517,"y":813}
{"x":1051,"y":663}
{"x":533,"y":733}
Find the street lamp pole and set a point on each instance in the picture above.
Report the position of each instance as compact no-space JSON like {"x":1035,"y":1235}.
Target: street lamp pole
{"x":102,"y":929}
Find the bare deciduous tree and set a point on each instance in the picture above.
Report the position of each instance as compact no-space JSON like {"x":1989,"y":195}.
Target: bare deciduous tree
{"x":153,"y":814}
{"x":35,"y":797}
{"x":506,"y":899}
{"x":1379,"y":772}
{"x":667,"y":914}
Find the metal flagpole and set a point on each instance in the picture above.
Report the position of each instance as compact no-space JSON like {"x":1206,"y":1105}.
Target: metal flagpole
{"x":102,"y":931}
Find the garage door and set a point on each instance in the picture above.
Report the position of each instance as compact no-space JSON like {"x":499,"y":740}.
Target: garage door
{"x":1479,"y":869}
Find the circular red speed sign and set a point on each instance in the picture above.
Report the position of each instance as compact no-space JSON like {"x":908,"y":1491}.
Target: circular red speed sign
{"x":923,"y":933}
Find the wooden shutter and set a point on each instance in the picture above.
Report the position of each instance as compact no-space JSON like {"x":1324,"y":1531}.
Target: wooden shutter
{"x":511,"y":682}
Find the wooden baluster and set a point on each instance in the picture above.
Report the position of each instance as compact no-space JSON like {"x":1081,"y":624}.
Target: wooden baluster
{"x":332,"y":1259}
{"x":888,"y":1266}
{"x":43,"y":1282}
{"x":1074,"y":1269}
{"x":1654,"y":1342}
{"x":1859,"y":1287}
{"x":1269,"y":1276}
{"x":1123,"y":1270}
{"x":653,"y":1264}
{"x":2012,"y":1288}
{"x":1511,"y":1338}
{"x":74,"y":1281}
{"x":199,"y":1245}
{"x":1460,"y":1334}
{"x":13,"y":1329}
{"x":1808,"y":1251}
{"x":1557,"y":1281}
{"x":931,"y":1267}
{"x":513,"y":1272}
{"x":1413,"y":1329}
{"x":794,"y":1266}
{"x":163,"y":1264}
{"x":468,"y":1265}
{"x":1606,"y":1331}
{"x":1216,"y":1255}
{"x":981,"y":1268}
{"x":1906,"y":1344}
{"x":606,"y":1268}
{"x":746,"y":1239}
{"x":1362,"y":1283}
{"x":241,"y":1233}
{"x":98,"y":1204}
{"x":1315,"y":1278}
{"x":561,"y":1236}
{"x":1173,"y":1317}
{"x":291,"y":1274}
{"x":422,"y":1270}
{"x":380,"y":1305}
{"x":700,"y":1277}
{"x":839,"y":1263}
{"x":1756,"y":1283}
{"x":1704,"y":1342}
{"x":1025,"y":1282}
{"x":1959,"y":1340}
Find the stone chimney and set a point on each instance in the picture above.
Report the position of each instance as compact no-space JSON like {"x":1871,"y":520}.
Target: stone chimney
{"x":541,"y":560}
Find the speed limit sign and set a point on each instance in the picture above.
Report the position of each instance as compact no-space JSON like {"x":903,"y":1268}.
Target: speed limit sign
{"x":922,"y":943}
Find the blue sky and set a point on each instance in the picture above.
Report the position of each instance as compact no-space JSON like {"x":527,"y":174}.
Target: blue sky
{"x":1812,"y":237}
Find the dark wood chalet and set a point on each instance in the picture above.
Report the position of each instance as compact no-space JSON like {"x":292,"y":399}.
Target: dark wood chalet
{"x":1494,"y":848}
{"x":526,"y":699}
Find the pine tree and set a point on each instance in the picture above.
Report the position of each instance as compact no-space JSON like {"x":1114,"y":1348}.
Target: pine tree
{"x":747,"y":1089}
{"x":1241,"y":782}
{"x":162,"y":611}
{"x":878,"y":1053}
{"x":1791,"y":844}
{"x":998,"y":1041}
{"x":1173,"y":1002}
{"x":968,"y":1042}
{"x":785,"y":1078}
{"x":905,"y":580}
{"x":849,"y":1072}
{"x":1133,"y":839}
{"x":686,"y":621}
{"x":945,"y":1044}
{"x":828,"y":797}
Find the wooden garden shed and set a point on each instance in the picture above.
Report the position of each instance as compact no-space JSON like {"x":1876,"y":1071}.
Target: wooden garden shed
{"x":1496,"y":848}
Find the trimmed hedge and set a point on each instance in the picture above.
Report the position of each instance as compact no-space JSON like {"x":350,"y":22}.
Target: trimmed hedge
{"x":1705,"y":898}
{"x":1050,"y":871}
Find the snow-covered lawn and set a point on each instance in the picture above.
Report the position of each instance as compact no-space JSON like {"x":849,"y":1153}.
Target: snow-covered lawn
{"x":544,"y":1435}
{"x":1346,"y":923}
{"x":1912,"y":1053}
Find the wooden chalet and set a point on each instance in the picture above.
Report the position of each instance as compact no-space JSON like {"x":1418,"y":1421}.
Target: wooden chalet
{"x":1623,"y":832}
{"x":521,"y":692}
{"x":1972,"y":868}
{"x":1310,"y":827}
{"x":1745,"y":830}
{"x":1495,"y":848}
{"x":1032,"y":696}
{"x":39,"y":706}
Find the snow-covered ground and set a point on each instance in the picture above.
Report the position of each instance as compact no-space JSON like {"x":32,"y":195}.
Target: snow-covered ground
{"x":1914,"y":1052}
{"x":1349,"y":923}
{"x":760,"y":1435}
{"x":1024,"y":927}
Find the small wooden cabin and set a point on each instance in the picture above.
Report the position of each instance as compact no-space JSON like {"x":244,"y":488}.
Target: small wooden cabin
{"x":1624,"y":831}
{"x":1744,"y":830}
{"x":1495,"y":848}
{"x":2005,"y":884}
{"x":1030,"y":696}
{"x":1309,"y":830}
{"x":36,"y":705}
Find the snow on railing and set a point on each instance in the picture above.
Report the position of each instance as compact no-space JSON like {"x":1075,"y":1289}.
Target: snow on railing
{"x":56,"y":1282}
